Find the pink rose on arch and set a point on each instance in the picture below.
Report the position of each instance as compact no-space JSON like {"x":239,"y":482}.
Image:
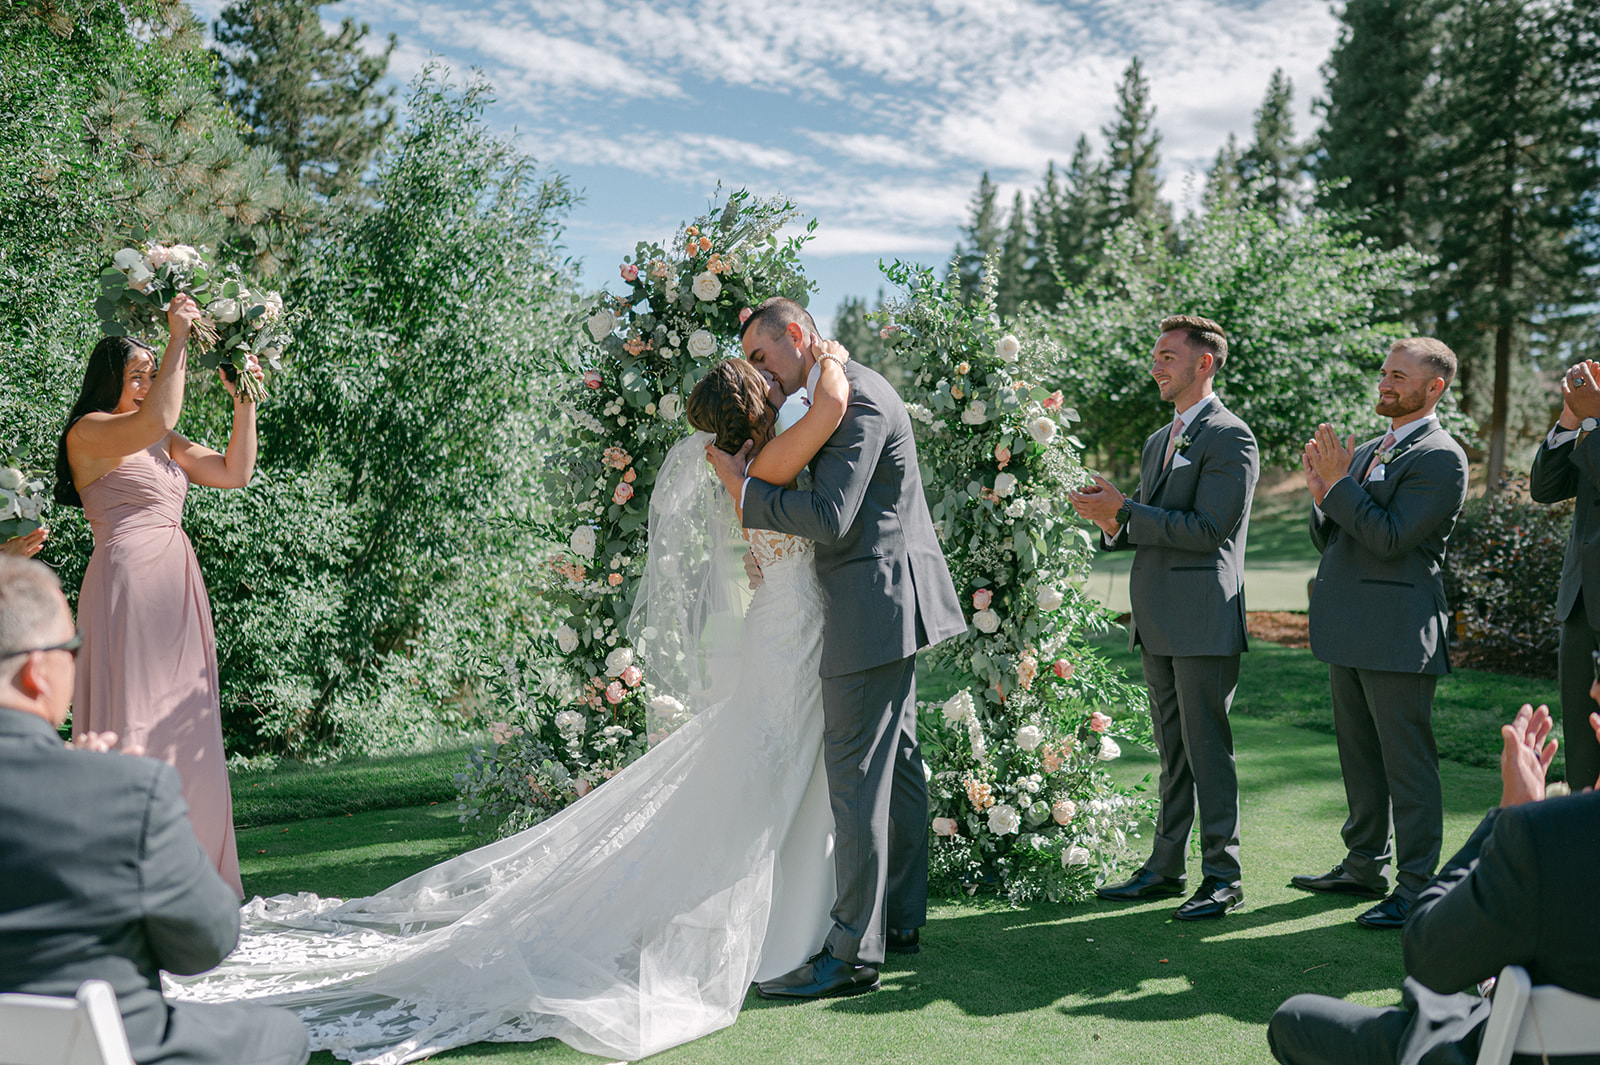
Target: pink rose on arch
{"x":1002,"y":455}
{"x":944,"y":826}
{"x":1063,"y":669}
{"x":630,"y":476}
{"x":1063,"y":811}
{"x":582,"y":786}
{"x":632,"y":676}
{"x":982,"y":598}
{"x":1098,"y":722}
{"x":614,"y":580}
{"x":1052,"y":401}
{"x":623,"y":493}
{"x":744,"y":315}
{"x":615,"y":692}
{"x":591,"y":378}
{"x":630,"y":272}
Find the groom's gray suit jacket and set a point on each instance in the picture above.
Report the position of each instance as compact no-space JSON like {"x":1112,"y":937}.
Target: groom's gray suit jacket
{"x":878,"y":559}
{"x":1189,"y":523}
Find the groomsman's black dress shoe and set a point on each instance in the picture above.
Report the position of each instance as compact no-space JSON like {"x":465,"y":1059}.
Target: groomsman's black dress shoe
{"x":824,"y":976}
{"x":902,"y":940}
{"x":1338,"y":881}
{"x":1143,"y":885}
{"x":1390,"y":913}
{"x":1215,"y":898}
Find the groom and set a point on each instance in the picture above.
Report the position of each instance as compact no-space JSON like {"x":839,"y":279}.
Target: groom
{"x":886,"y":594}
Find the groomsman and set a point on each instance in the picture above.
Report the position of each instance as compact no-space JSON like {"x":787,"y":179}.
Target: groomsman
{"x":1382,"y":514}
{"x":1568,"y":465}
{"x":1187,"y":524}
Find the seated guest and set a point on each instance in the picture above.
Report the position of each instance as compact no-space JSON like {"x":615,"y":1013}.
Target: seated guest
{"x":1520,"y":892}
{"x":101,"y":877}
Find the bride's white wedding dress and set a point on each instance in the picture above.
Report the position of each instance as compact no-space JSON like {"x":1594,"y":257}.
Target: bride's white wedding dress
{"x":630,"y":922}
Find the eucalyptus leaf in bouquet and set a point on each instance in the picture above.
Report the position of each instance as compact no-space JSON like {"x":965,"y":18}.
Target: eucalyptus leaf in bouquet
{"x":22,"y":496}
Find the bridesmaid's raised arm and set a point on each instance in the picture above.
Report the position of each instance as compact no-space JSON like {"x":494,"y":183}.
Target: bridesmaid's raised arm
{"x":786,"y":455}
{"x":113,"y":435}
{"x":205,"y":466}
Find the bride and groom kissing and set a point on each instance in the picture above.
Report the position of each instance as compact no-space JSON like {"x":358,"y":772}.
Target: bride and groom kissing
{"x":788,"y":813}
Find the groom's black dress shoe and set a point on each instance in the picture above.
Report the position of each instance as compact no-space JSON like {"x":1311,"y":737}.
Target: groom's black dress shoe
{"x":1143,"y":885}
{"x":1390,"y":913}
{"x":1214,"y":898}
{"x":1338,"y":881}
{"x":902,"y":940}
{"x":824,"y":976}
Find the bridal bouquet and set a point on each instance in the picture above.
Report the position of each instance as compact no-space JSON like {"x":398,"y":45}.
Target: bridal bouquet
{"x":22,"y":498}
{"x":238,"y":322}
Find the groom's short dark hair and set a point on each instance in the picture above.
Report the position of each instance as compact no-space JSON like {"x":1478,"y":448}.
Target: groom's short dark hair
{"x":1202,"y":333}
{"x":775,"y":313}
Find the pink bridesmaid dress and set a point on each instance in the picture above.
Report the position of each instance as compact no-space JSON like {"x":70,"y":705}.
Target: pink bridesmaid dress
{"x":148,"y":668}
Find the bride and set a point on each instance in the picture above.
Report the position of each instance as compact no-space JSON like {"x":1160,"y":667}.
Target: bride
{"x":635,"y":919}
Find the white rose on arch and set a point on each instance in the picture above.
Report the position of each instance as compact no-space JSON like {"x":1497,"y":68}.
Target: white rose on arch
{"x":702,"y":345}
{"x":986,"y":620}
{"x":583,"y":541}
{"x":977,"y":413}
{"x":958,"y":708}
{"x":1004,"y":819}
{"x":602,"y":323}
{"x":706,"y":287}
{"x":1029,"y":737}
{"x":566,"y":639}
{"x":1108,"y":749}
{"x":1042,"y":429}
{"x":1007,"y":348}
{"x":671,"y":406}
{"x":1074,"y":855}
{"x":1049,"y":598}
{"x":618,"y":660}
{"x":1004,"y":485}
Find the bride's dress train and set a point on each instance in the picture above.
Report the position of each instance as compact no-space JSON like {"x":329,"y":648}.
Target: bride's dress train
{"x":630,"y":922}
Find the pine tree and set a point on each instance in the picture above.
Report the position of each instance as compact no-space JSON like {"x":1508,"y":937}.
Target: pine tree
{"x":859,"y":334}
{"x":1273,"y":163}
{"x":1015,"y":282}
{"x":1133,"y":150}
{"x":1085,"y":213}
{"x":981,"y":238}
{"x":1223,"y":183}
{"x":1046,"y":226}
{"x":313,"y":98}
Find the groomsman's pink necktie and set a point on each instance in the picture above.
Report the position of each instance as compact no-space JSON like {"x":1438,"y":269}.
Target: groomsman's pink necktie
{"x":1172,"y":440}
{"x":1388,"y":442}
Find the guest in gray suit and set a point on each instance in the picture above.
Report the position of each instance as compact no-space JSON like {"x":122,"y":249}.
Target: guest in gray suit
{"x":1187,"y":523}
{"x":1382,"y":514}
{"x":886,"y":594}
{"x":1568,"y":465}
{"x":101,"y":877}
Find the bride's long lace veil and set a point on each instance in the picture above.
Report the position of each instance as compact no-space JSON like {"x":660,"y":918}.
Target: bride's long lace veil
{"x":688,"y":618}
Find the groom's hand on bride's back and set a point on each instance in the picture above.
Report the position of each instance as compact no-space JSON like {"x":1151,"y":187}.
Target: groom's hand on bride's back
{"x":752,"y":569}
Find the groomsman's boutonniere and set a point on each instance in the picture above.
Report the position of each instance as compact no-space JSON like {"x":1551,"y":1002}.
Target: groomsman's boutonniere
{"x":1386,"y":457}
{"x":1180,"y":445}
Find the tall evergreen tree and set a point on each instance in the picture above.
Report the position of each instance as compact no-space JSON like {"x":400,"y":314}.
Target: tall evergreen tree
{"x":1222,"y":180}
{"x":1085,"y":213}
{"x":980,"y":237}
{"x":1133,"y":154}
{"x":1015,"y":285}
{"x":1274,"y":162}
{"x":859,"y":334}
{"x":1046,"y":224}
{"x":312,"y":97}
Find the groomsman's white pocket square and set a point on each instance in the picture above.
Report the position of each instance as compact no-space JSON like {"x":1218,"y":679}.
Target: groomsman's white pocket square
{"x":1375,"y":475}
{"x":1179,"y":462}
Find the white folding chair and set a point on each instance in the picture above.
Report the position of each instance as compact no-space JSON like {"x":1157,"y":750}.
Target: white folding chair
{"x":1540,"y":1021}
{"x":42,"y":1030}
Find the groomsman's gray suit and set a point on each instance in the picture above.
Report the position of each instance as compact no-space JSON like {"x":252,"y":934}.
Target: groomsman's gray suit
{"x":886,"y":593}
{"x":1572,"y":468}
{"x":1189,"y":523}
{"x":1378,"y":618}
{"x":101,"y":878}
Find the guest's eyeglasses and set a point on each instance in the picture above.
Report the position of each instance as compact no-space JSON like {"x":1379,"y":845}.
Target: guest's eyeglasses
{"x":70,"y":646}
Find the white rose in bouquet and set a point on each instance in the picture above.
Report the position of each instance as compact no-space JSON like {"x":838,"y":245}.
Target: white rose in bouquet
{"x":1004,"y":485}
{"x":1049,"y":598}
{"x":702,"y":345}
{"x":158,"y":254}
{"x":29,"y":506}
{"x":958,"y":708}
{"x":583,"y":541}
{"x":1074,"y":855}
{"x":224,"y":310}
{"x":706,"y":287}
{"x":986,"y":621}
{"x":10,"y":505}
{"x":602,"y":323}
{"x":183,"y":256}
{"x":977,"y":413}
{"x":1108,"y":749}
{"x":10,"y":478}
{"x":1007,"y":348}
{"x":272,"y":308}
{"x":132,"y":262}
{"x":618,"y":660}
{"x":671,"y":406}
{"x":1003,"y":819}
{"x":1042,"y":429}
{"x":1029,"y":737}
{"x":566,"y":639}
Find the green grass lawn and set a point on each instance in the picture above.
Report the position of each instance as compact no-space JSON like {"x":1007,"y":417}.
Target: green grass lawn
{"x":1045,"y":982}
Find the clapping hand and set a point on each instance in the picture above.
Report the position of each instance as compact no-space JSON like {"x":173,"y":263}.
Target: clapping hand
{"x":103,"y":742}
{"x":1580,"y":393}
{"x":1327,"y":457}
{"x":1525,"y":755}
{"x":1099,"y":503}
{"x":1318,"y":487}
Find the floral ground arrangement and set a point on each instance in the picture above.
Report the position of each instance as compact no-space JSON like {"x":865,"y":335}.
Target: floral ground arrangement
{"x":1020,"y":794}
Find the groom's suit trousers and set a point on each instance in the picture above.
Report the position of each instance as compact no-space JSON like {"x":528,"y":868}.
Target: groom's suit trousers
{"x":879,"y":794}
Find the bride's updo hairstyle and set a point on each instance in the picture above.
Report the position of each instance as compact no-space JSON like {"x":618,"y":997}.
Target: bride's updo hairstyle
{"x":731,"y":403}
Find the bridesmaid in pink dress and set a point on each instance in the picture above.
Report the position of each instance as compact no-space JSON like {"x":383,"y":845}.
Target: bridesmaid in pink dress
{"x":148,"y":668}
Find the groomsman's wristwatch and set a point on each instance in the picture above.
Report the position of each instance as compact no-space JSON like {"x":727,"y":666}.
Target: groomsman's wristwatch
{"x":1589,"y":425}
{"x":1125,"y":511}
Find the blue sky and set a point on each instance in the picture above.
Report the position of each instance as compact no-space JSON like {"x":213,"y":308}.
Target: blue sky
{"x":875,"y":117}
